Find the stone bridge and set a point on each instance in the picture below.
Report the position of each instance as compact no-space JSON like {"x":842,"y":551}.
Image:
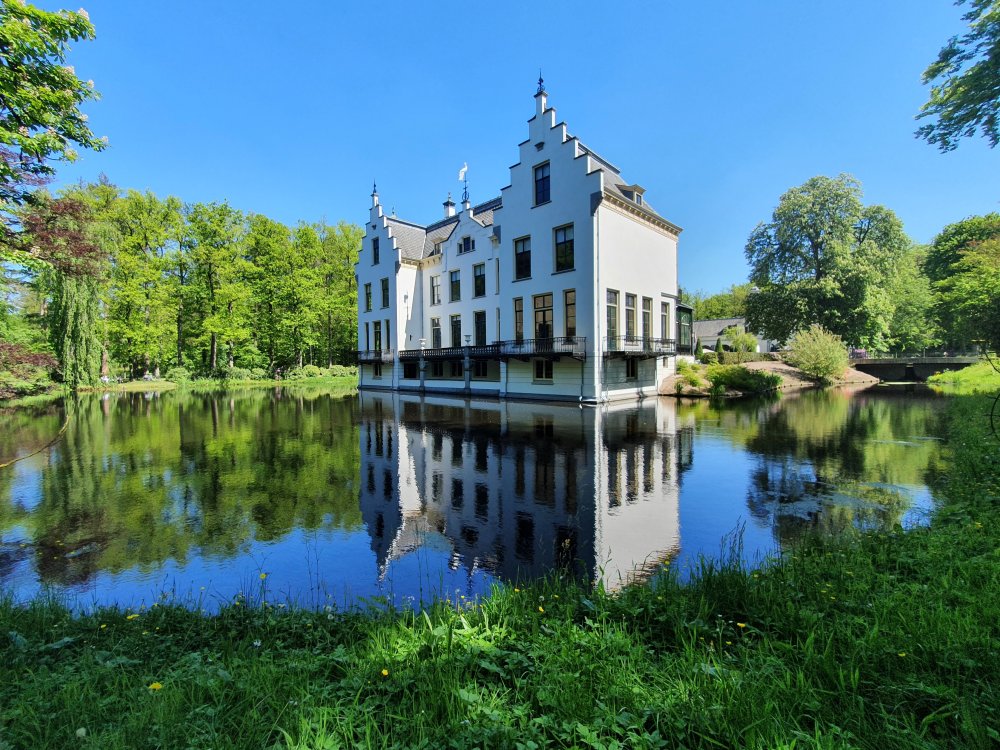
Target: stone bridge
{"x":910,"y":368}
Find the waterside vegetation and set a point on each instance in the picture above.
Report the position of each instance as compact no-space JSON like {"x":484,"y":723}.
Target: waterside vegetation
{"x":875,"y":640}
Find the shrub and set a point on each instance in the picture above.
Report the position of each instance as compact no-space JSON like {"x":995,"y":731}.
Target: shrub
{"x":739,"y":378}
{"x":311,"y":371}
{"x":708,"y":357}
{"x":238,"y":374}
{"x":178,"y":375}
{"x":258,"y":373}
{"x":818,"y":353}
{"x":698,"y":348}
{"x":342,"y":371}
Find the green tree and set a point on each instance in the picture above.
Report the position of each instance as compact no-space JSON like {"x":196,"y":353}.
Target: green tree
{"x":818,"y":353}
{"x":947,"y":247}
{"x":75,"y":328}
{"x":40,"y":97}
{"x":973,"y":294}
{"x":965,"y":82}
{"x":913,"y":326}
{"x":825,"y":258}
{"x":740,"y":342}
{"x":728,"y":304}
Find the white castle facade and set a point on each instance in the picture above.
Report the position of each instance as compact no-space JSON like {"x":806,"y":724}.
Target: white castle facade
{"x":564,"y":288}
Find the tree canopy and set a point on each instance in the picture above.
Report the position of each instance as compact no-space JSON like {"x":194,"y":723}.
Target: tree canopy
{"x":825,"y":258}
{"x":965,"y":82}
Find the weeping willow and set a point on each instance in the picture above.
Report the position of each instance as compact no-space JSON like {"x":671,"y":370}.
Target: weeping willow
{"x":74,"y":329}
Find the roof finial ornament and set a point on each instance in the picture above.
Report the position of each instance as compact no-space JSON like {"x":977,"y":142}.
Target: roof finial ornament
{"x":374,"y":189}
{"x":541,"y":83}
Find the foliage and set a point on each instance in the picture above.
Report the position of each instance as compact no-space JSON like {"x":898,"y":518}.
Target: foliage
{"x":965,"y":95}
{"x":739,"y":378}
{"x":825,"y":258}
{"x":947,"y":248}
{"x":740,"y":342}
{"x":913,"y":326}
{"x":728,"y":304}
{"x":698,"y":348}
{"x":40,"y":97}
{"x":972,"y":293}
{"x":75,"y":329}
{"x":818,"y":353}
{"x":178,"y":375}
{"x":708,"y":357}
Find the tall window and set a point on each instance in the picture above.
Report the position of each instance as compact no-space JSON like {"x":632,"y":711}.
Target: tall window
{"x":542,"y":183}
{"x":479,"y":280}
{"x":388,"y":337}
{"x":375,"y":250}
{"x":519,"y":319}
{"x":385,"y":292}
{"x":467,"y":244}
{"x":684,"y":330}
{"x":630,"y":316}
{"x":479,"y":321}
{"x":543,"y":316}
{"x":435,"y":333}
{"x":664,"y":320}
{"x":522,"y":258}
{"x":456,"y":330}
{"x":564,"y":249}
{"x":378,"y":335}
{"x":569,"y":296}
{"x":456,"y":286}
{"x":435,"y":290}
{"x":368,"y":338}
{"x":543,"y":369}
{"x":612,"y":314}
{"x":647,"y":318}
{"x":368,"y":297}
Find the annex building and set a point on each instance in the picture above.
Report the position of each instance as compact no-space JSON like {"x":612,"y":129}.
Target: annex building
{"x":562,"y":288}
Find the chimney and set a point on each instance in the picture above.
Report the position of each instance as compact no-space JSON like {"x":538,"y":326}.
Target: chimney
{"x":449,"y":207}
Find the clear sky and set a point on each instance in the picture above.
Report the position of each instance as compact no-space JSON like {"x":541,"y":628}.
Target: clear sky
{"x":292,"y":109}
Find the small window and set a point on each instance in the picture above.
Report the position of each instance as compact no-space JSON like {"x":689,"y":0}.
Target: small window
{"x":543,"y":369}
{"x":542,"y":184}
{"x":480,"y":369}
{"x":410,"y":371}
{"x":375,"y":251}
{"x":377,"y":369}
{"x":479,"y":280}
{"x":466,"y":245}
{"x":385,"y":292}
{"x":564,"y":249}
{"x":522,"y":258}
{"x":631,"y":369}
{"x":456,"y":286}
{"x":437,"y":369}
{"x":435,"y":290}
{"x":368,"y":297}
{"x":456,"y":369}
{"x":437,"y":249}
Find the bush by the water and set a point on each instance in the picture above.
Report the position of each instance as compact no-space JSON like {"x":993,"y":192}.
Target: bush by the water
{"x":818,"y":353}
{"x":178,"y":375}
{"x":739,"y":378}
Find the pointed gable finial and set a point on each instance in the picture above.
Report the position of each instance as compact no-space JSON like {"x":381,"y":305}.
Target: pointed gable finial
{"x":541,"y":83}
{"x":374,"y":189}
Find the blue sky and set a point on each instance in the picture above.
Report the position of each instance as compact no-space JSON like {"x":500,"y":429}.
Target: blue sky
{"x":715,"y":108}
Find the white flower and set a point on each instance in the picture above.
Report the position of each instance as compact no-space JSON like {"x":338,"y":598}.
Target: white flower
{"x":81,"y":732}
{"x":256,"y":643}
{"x":83,"y":13}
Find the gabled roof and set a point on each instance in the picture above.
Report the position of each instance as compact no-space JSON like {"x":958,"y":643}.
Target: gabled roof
{"x":416,"y":241}
{"x":616,"y":185}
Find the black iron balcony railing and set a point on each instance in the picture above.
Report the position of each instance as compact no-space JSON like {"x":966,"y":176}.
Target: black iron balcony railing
{"x":369,"y":356}
{"x":570,"y":346}
{"x":641,"y":346}
{"x":558,"y":346}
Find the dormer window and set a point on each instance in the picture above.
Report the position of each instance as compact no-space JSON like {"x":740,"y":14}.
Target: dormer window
{"x":466,"y":245}
{"x":633,"y":193}
{"x":437,"y":249}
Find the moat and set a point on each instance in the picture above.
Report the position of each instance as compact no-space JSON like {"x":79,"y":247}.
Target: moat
{"x":307,"y":498}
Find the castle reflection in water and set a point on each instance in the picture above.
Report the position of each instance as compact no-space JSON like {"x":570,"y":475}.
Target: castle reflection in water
{"x":519,"y":489}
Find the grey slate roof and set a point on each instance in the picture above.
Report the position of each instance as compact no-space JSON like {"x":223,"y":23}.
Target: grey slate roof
{"x":712,"y":329}
{"x":415,"y":241}
{"x":614,"y":182}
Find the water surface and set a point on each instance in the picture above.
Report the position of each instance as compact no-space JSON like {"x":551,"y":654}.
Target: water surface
{"x":322,"y":500}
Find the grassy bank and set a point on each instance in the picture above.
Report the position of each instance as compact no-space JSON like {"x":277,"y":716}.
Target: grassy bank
{"x":884,"y":640}
{"x":981,"y":377}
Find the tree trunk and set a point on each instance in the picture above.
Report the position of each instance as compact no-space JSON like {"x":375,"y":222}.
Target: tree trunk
{"x":329,"y":340}
{"x":213,"y":354}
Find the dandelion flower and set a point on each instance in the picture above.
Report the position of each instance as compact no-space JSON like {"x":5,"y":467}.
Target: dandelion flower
{"x":132,"y":616}
{"x":902,"y":653}
{"x":517,"y":591}
{"x":103,"y":625}
{"x":541,"y":609}
{"x":263,"y":576}
{"x":385,"y":672}
{"x":741,"y":624}
{"x":156,"y":686}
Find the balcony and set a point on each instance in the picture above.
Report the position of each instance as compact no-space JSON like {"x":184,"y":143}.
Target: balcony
{"x":639,"y":347}
{"x":371,"y":356}
{"x":560,"y":346}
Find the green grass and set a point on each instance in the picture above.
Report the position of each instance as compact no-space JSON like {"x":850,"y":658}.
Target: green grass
{"x":875,"y":640}
{"x":980,"y":377}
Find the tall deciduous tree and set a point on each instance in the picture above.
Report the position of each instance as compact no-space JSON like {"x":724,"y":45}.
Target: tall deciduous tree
{"x":40,"y":97}
{"x":972,"y":292}
{"x":965,"y":82}
{"x":825,"y":258}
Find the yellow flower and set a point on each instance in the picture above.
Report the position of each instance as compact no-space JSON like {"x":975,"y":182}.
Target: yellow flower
{"x":729,"y":643}
{"x":741,"y":624}
{"x":263,"y":576}
{"x":132,"y":617}
{"x":103,"y":625}
{"x":902,"y":653}
{"x":156,"y":686}
{"x":385,"y":672}
{"x":517,"y":591}
{"x":541,"y":609}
